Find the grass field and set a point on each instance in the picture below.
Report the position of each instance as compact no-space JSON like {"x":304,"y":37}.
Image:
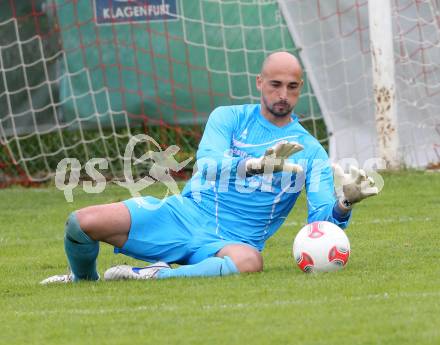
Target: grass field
{"x":388,"y":294}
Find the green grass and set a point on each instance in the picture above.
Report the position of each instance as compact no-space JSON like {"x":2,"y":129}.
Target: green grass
{"x":388,"y":294}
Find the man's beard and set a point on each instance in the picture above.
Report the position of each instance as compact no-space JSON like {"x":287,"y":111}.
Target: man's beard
{"x":282,"y":113}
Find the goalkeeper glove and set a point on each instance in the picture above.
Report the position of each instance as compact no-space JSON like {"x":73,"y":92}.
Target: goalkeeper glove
{"x":276,"y":157}
{"x":353,"y":187}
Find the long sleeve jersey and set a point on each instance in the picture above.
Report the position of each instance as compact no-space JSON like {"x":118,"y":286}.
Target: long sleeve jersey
{"x":252,"y":208}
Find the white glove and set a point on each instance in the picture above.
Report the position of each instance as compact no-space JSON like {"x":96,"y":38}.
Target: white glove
{"x":276,"y":157}
{"x":353,"y":187}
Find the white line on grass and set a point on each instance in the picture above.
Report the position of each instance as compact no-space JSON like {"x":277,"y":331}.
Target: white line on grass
{"x":376,"y":221}
{"x":280,"y":303}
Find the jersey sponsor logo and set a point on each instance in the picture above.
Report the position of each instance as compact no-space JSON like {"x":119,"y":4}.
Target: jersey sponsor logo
{"x":126,"y":11}
{"x":237,"y":152}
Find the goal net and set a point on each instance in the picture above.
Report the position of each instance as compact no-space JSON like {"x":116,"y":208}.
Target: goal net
{"x":78,"y":78}
{"x":334,"y":41}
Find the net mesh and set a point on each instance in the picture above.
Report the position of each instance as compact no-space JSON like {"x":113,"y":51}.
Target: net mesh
{"x":335,"y":46}
{"x":79,"y":78}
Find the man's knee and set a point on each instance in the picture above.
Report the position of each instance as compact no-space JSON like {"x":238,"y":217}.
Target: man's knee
{"x":90,"y":220}
{"x":251,"y":261}
{"x":73,"y":230}
{"x":244,"y":257}
{"x":83,"y":220}
{"x":108,"y":223}
{"x":86,"y":219}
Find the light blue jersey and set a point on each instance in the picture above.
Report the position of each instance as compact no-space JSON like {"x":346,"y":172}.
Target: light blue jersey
{"x":251,"y":209}
{"x":220,"y":206}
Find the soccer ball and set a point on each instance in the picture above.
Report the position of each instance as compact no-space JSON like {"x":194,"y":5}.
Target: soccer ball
{"x":321,"y":247}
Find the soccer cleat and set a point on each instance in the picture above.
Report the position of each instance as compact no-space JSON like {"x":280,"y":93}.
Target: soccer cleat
{"x":58,"y":279}
{"x":61,"y":279}
{"x":123,"y":272}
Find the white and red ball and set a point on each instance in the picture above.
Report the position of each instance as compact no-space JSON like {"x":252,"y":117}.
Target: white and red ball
{"x":321,"y":247}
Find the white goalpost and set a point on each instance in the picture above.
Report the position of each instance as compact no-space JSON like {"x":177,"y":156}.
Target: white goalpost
{"x":384,"y":83}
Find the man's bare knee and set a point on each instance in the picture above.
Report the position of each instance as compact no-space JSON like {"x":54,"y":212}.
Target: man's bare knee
{"x":251,"y":261}
{"x":244,"y":257}
{"x":85,"y":219}
{"x":109,"y":223}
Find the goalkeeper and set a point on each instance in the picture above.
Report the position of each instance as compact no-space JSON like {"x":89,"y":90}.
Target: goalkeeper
{"x":253,"y":161}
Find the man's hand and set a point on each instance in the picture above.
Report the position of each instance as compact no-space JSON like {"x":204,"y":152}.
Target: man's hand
{"x":353,"y":187}
{"x":276,"y":157}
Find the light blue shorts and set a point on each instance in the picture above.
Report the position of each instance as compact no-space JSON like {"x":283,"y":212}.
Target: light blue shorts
{"x":173,"y":230}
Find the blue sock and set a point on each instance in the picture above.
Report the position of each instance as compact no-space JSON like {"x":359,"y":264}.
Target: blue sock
{"x":210,"y":267}
{"x":81,"y":251}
